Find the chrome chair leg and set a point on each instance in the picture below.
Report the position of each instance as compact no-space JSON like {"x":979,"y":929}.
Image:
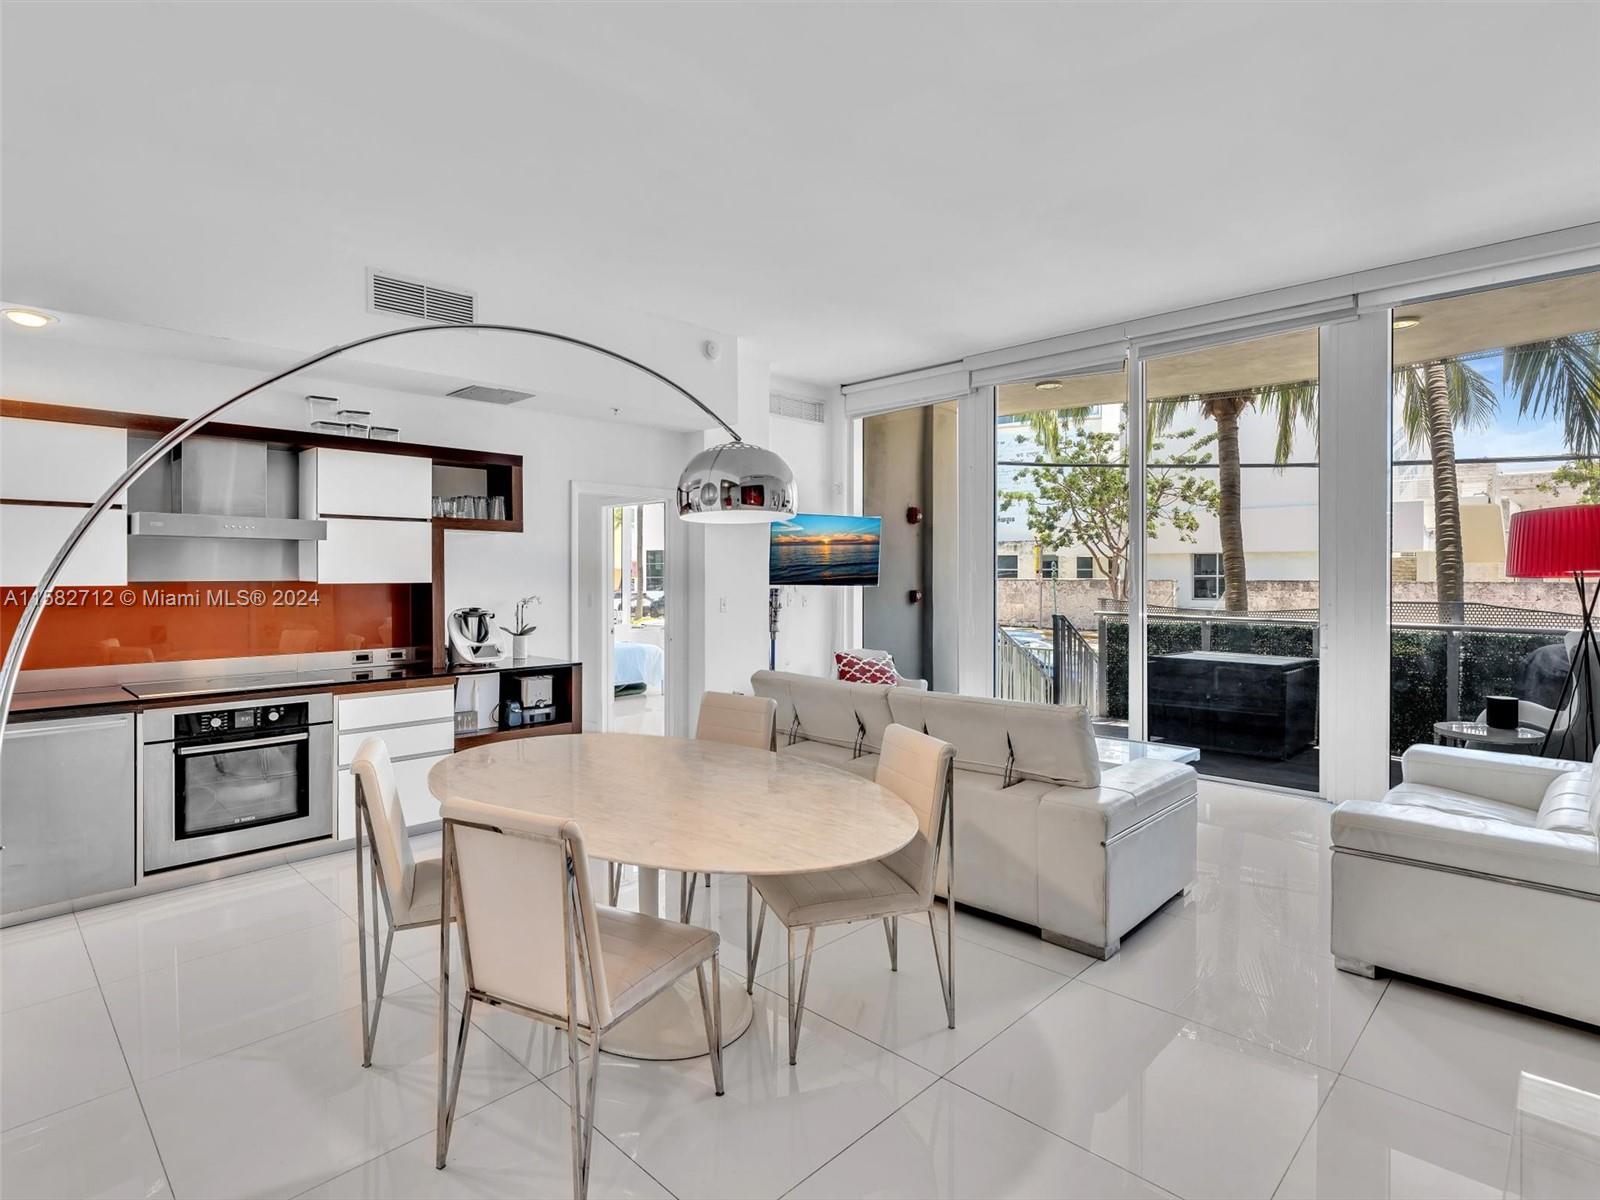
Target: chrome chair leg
{"x":946,"y":962}
{"x":752,"y":943}
{"x":614,"y":883}
{"x":711,"y":1009}
{"x":442,"y":1118}
{"x":361,"y":946}
{"x":447,"y":1118}
{"x":797,"y":1003}
{"x":891,"y":931}
{"x":583,"y":1108}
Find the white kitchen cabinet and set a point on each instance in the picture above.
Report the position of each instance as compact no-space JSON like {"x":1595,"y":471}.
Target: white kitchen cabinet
{"x":30,"y":535}
{"x":369,"y":551}
{"x":359,"y":483}
{"x":418,"y":725}
{"x":54,"y":460}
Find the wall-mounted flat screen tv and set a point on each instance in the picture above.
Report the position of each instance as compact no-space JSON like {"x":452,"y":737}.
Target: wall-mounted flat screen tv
{"x":819,"y":548}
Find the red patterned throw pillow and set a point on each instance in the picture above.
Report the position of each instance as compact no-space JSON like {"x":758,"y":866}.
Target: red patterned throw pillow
{"x":852,"y":668}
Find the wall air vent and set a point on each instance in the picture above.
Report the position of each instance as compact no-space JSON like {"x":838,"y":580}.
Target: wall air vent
{"x":426,"y":301}
{"x":489,"y":395}
{"x":795,"y":407}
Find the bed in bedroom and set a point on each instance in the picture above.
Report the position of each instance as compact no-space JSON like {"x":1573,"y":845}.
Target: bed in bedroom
{"x":636,"y":667}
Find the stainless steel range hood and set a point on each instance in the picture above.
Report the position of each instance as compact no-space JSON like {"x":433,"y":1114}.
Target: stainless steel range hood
{"x":219,"y":490}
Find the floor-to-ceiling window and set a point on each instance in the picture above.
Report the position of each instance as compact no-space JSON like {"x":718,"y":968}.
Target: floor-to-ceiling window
{"x":1231,"y":557}
{"x":1062,"y":545}
{"x":1496,"y":409}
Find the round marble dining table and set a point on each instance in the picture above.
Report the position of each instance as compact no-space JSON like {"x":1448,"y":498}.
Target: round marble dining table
{"x":689,"y":806}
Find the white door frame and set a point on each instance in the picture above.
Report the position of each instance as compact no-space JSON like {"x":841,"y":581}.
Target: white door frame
{"x":595,"y":497}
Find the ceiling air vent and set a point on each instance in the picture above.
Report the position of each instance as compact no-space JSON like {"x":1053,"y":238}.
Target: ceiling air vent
{"x":411,"y":298}
{"x":489,"y":395}
{"x":795,"y":407}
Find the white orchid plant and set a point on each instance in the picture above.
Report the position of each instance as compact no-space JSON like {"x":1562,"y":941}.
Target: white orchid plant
{"x":523,"y":626}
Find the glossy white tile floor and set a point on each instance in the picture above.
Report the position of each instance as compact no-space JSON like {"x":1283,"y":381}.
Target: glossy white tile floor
{"x":207,"y":1044}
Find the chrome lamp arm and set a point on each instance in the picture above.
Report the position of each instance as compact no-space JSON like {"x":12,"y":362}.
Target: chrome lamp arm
{"x":776,"y":508}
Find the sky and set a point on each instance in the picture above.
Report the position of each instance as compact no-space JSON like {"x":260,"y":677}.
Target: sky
{"x":824,"y":523}
{"x":1509,"y":435}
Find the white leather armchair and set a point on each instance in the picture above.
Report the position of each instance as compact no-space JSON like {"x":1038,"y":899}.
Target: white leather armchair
{"x":1044,"y":835}
{"x":1479,"y":870}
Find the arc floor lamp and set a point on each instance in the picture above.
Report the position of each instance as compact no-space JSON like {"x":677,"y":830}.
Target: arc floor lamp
{"x":1546,"y":543}
{"x":731,"y":483}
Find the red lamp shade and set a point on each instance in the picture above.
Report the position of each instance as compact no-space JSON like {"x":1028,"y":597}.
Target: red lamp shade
{"x":1546,"y":542}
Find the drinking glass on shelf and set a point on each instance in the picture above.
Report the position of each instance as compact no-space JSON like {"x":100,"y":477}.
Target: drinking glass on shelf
{"x":497,"y":508}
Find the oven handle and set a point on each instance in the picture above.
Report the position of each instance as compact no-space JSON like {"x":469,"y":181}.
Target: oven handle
{"x":254,"y":743}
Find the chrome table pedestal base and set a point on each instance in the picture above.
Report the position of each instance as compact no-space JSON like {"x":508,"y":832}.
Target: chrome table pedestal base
{"x":671,"y":1026}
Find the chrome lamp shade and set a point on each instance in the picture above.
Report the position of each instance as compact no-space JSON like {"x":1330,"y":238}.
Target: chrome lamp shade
{"x":736,"y":483}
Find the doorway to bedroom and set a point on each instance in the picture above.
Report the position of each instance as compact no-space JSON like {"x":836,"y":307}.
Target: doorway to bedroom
{"x":636,"y":567}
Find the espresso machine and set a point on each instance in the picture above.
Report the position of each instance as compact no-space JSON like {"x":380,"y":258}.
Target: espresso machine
{"x":471,"y":640}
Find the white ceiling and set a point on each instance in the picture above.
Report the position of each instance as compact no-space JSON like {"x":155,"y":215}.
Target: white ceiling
{"x":857,"y":188}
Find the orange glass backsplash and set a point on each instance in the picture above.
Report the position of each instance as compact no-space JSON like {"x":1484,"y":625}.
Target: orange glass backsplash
{"x":165,"y":622}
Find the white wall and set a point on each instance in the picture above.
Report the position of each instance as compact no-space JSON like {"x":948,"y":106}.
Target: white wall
{"x":806,"y":624}
{"x":733,"y":608}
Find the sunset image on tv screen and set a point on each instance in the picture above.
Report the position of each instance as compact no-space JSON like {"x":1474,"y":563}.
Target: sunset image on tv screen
{"x":817,"y":548}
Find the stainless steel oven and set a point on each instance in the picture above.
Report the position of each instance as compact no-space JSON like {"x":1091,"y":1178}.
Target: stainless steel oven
{"x":227,"y":779}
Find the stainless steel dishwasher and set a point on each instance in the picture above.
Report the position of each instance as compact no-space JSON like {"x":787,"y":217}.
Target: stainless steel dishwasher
{"x":67,"y":802}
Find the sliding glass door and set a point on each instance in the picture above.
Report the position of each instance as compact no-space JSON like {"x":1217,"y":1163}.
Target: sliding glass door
{"x":1496,"y":410}
{"x":1062,"y":546}
{"x":1232,"y":568}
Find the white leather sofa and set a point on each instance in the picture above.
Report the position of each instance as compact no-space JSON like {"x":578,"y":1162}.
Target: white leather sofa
{"x":1044,"y":836}
{"x":1479,"y":870}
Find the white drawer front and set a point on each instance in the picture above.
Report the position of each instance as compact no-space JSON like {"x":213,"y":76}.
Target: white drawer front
{"x":405,"y":706}
{"x":403,"y":741}
{"x":52,"y":460}
{"x":370,"y":551}
{"x":416,"y":801}
{"x":30,"y":535}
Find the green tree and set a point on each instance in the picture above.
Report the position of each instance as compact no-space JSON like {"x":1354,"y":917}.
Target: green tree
{"x":1077,"y":494}
{"x":1558,"y":378}
{"x":1583,"y":475}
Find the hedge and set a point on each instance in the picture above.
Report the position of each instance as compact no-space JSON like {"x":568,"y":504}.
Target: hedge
{"x":1491,"y":663}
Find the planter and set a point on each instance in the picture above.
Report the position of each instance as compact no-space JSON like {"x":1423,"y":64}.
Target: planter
{"x":522,"y":646}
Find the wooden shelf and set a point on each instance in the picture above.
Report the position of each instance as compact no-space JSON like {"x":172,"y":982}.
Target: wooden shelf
{"x":481,"y":526}
{"x":465,"y":741}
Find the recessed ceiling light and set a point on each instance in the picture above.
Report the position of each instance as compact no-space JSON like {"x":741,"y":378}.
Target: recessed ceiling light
{"x":28,"y":318}
{"x":1048,"y":385}
{"x":1407,"y":322}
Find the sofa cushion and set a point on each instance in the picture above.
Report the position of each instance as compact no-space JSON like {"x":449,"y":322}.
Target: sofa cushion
{"x":827,"y":710}
{"x":1047,"y":742}
{"x":1482,"y":844}
{"x":1567,"y":803}
{"x":1513,"y":778}
{"x":865,"y":766}
{"x":1457,"y":804}
{"x":997,"y":844}
{"x":1131,"y":793}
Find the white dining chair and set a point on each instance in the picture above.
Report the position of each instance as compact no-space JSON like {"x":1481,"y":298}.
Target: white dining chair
{"x":918,"y":769}
{"x":533,"y":942}
{"x":408,"y":887}
{"x":734,"y":720}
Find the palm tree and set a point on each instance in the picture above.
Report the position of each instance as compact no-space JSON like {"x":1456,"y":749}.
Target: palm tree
{"x":1289,"y":404}
{"x":1557,"y":378}
{"x":1437,"y":397}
